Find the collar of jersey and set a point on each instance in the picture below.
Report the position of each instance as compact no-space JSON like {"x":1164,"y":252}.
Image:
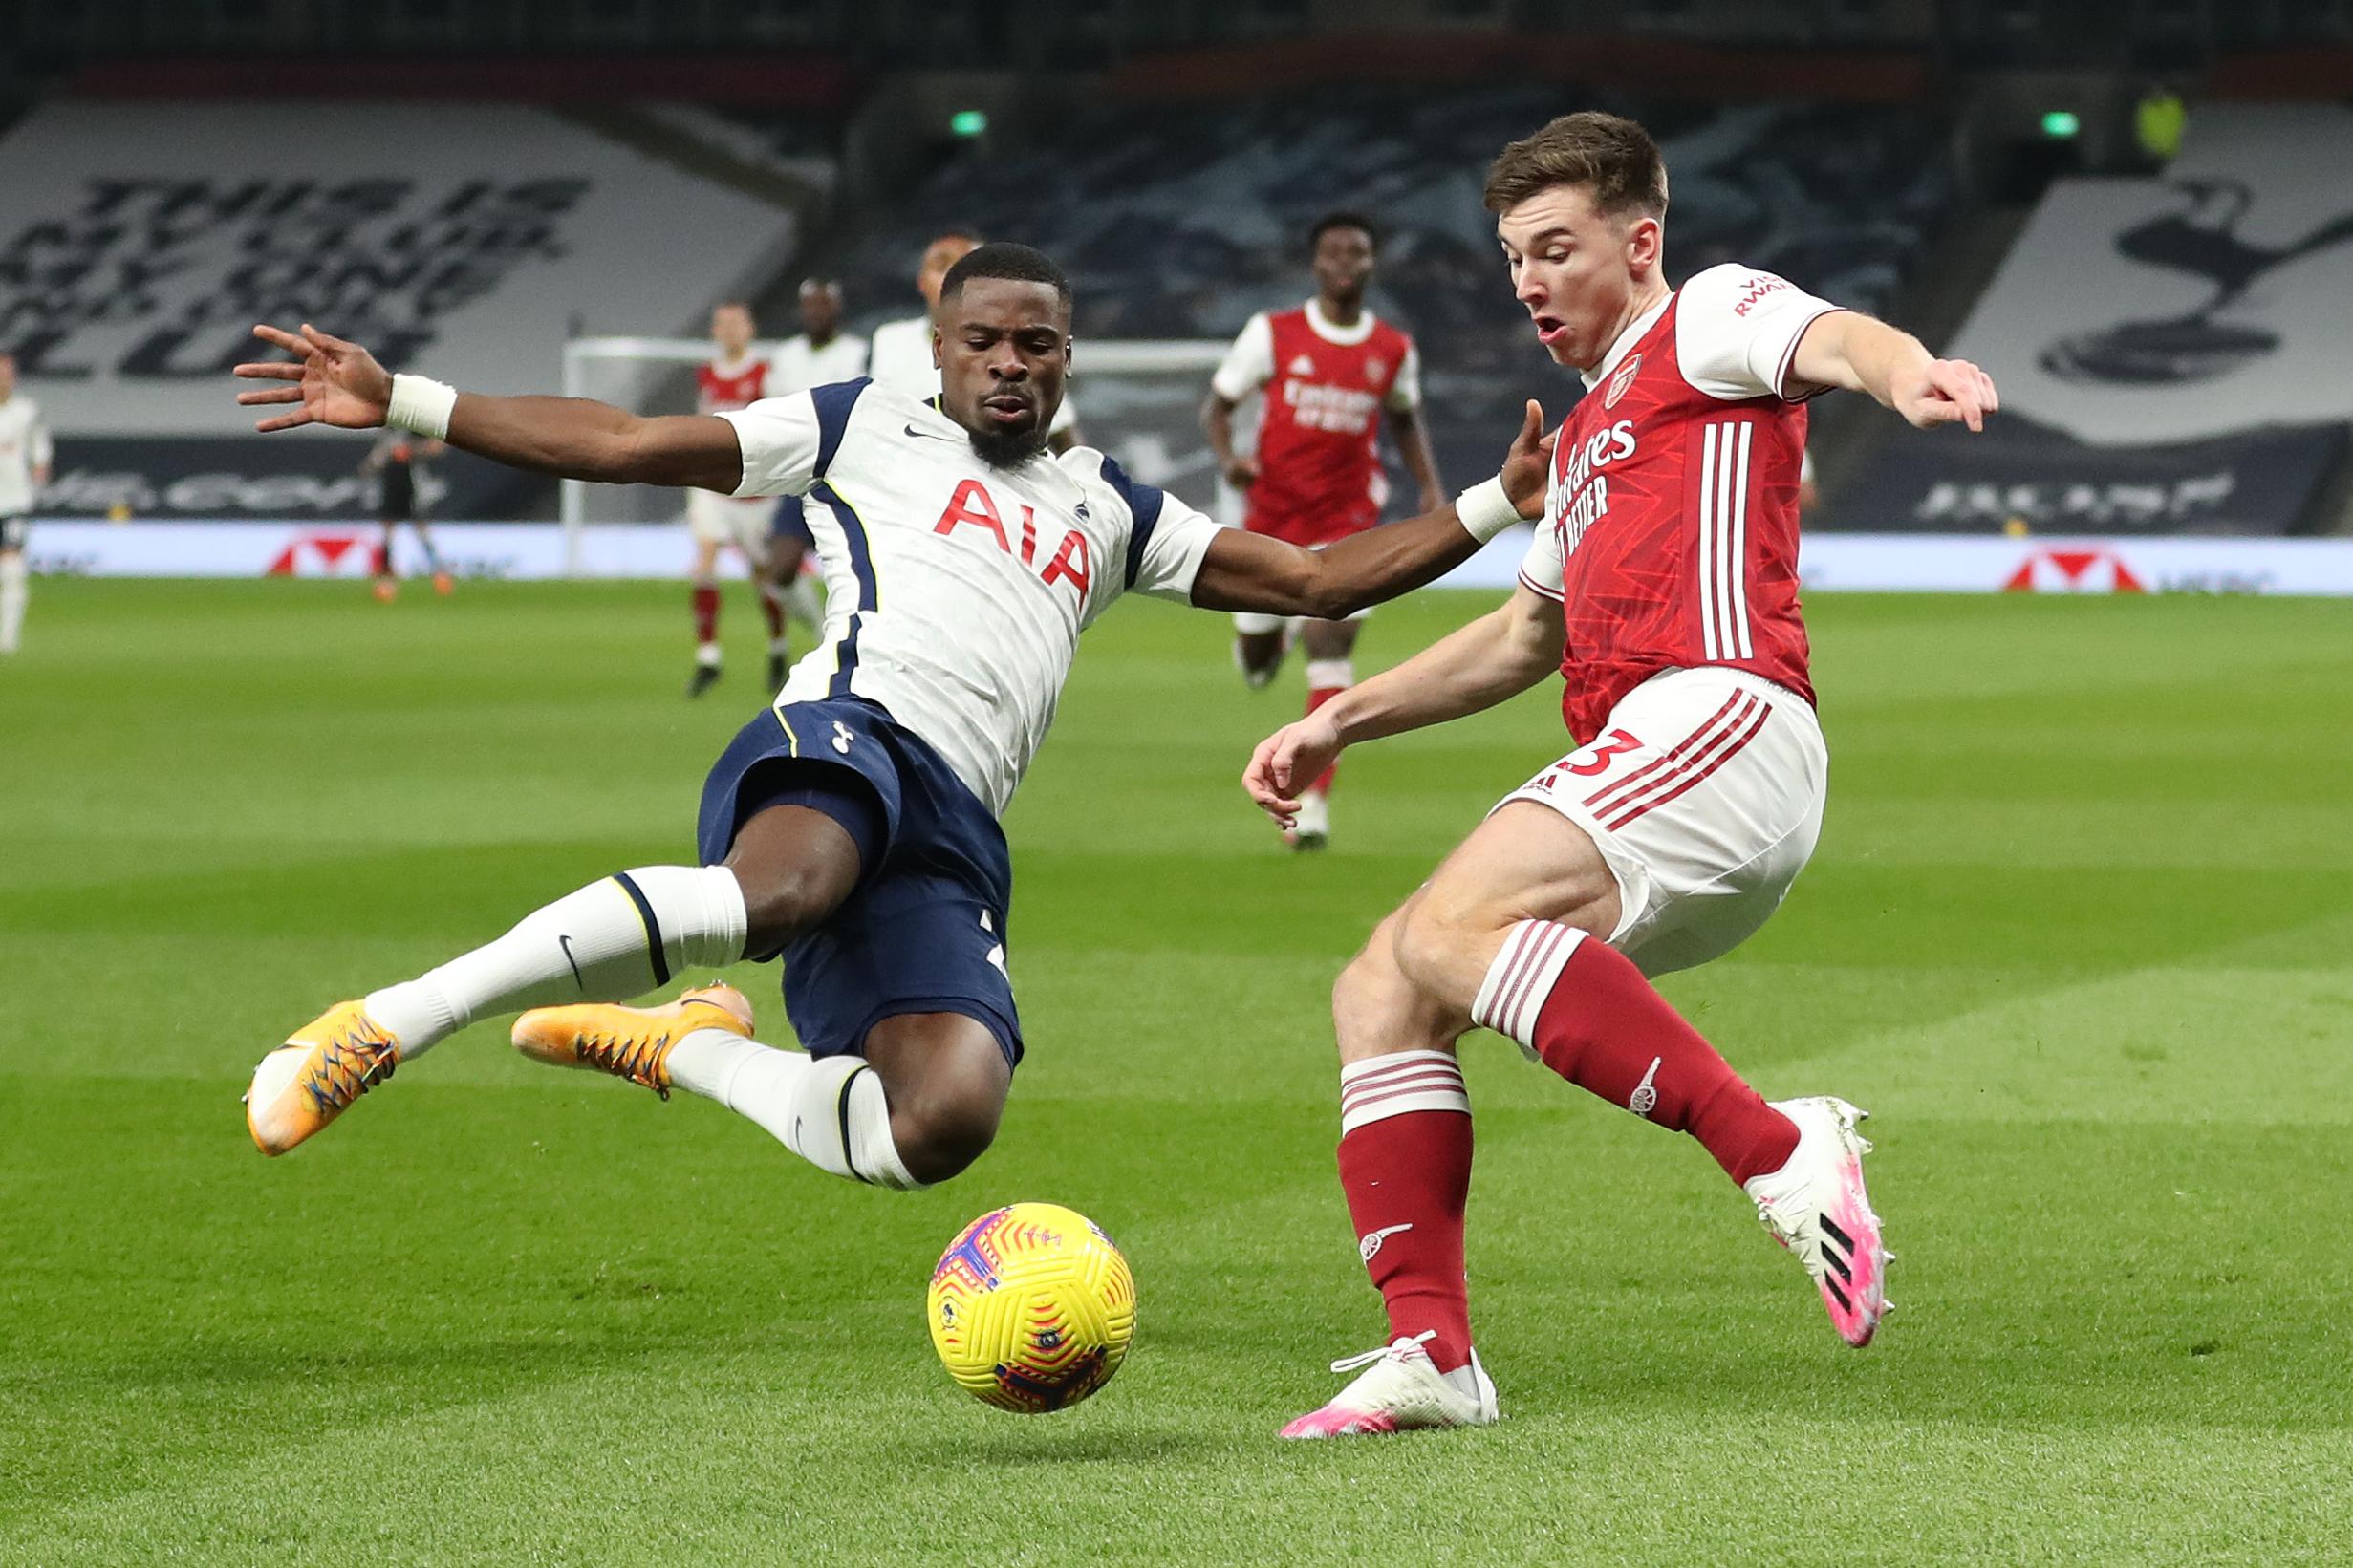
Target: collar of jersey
{"x":1347,"y":337}
{"x":1627,"y":339}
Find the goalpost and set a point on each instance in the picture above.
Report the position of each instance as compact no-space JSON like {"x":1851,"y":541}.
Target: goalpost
{"x":1137,"y":400}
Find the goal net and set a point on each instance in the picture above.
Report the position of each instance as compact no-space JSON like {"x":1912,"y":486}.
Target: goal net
{"x":1140,"y":401}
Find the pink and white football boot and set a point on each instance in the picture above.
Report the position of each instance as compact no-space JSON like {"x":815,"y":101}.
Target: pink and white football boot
{"x":1400,"y":1389}
{"x":1815,"y":1206}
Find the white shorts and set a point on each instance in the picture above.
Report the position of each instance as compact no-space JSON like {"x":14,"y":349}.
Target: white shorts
{"x":1704,"y":794}
{"x":724,"y":519}
{"x":1248,"y":623}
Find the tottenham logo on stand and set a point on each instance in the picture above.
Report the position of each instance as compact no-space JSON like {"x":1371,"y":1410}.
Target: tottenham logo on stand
{"x":2073,"y":572}
{"x":2202,"y":240}
{"x":321,"y":553}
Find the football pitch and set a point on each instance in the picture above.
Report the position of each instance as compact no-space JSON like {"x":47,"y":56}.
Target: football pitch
{"x":2080,"y":934}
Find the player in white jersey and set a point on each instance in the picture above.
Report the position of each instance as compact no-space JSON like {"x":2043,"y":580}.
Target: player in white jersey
{"x":734,"y":378}
{"x":822,"y":355}
{"x":852,"y":829}
{"x":900,"y":357}
{"x":24,"y":469}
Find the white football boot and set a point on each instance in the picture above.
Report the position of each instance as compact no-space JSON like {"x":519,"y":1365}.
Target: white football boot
{"x":1815,"y":1205}
{"x":1400,"y":1389}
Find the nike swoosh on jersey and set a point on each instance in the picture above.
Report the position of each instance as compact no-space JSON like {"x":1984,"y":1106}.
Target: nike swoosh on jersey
{"x":932,"y":434}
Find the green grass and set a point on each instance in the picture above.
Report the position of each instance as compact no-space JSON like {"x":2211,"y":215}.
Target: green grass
{"x":2081,"y":933}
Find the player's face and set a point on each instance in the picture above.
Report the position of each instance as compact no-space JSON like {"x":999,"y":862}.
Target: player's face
{"x":1003,"y":347}
{"x":938,"y":256}
{"x":821,"y":313}
{"x":731,"y":330}
{"x":1342,"y":263}
{"x":1575,"y":269}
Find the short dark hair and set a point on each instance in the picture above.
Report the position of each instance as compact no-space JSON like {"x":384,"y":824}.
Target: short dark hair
{"x":1342,"y":220}
{"x":1608,"y":154}
{"x":1003,"y":259}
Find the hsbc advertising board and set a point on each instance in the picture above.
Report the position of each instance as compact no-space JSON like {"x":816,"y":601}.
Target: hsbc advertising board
{"x":1829,"y":562}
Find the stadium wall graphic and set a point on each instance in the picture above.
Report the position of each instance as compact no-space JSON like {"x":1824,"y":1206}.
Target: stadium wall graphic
{"x":2169,"y":350}
{"x":139,"y":242}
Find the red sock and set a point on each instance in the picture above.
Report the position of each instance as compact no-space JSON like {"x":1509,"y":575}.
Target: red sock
{"x":772,"y":602}
{"x":1317,"y":697}
{"x":1405,"y":1164}
{"x":706,"y":613}
{"x":1584,"y":1008}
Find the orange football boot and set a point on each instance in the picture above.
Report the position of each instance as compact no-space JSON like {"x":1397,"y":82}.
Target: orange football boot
{"x":632,"y":1043}
{"x":308,"y":1082}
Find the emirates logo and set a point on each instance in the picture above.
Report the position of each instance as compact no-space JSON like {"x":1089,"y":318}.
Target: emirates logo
{"x":1618,"y":384}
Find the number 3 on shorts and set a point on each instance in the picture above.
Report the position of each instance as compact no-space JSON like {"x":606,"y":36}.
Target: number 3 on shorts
{"x":1588,"y":760}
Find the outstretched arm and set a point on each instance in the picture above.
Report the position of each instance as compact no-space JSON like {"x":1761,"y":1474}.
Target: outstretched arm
{"x":334,"y":382}
{"x":1849,"y":350}
{"x":1251,"y":571}
{"x":1497,"y":655}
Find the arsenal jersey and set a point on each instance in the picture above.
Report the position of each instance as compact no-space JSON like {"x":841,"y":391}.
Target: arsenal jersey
{"x":1319,"y":458}
{"x":1670,"y":533}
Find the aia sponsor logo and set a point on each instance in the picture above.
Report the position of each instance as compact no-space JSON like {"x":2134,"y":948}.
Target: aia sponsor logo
{"x":1618,"y":384}
{"x":1756,"y":288}
{"x":972,"y":507}
{"x":2097,"y":570}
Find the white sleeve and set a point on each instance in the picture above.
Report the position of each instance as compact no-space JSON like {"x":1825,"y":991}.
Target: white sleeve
{"x":1405,"y":392}
{"x":1540,"y":569}
{"x":1169,"y":557}
{"x":1737,"y":330}
{"x":42,"y":448}
{"x":779,"y":437}
{"x":1249,"y":364}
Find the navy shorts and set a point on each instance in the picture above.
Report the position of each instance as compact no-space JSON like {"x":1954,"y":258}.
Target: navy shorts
{"x":792,"y":522}
{"x":924,"y":929}
{"x":13,"y":532}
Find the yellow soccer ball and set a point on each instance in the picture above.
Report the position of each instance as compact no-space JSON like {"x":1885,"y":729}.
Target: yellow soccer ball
{"x":1032,"y":1307}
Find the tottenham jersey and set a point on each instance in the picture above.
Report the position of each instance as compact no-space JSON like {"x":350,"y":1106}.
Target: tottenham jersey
{"x":24,"y":446}
{"x":954,"y":591}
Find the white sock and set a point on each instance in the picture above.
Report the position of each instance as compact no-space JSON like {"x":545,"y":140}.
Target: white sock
{"x":1331,"y":674}
{"x":13,"y":592}
{"x":830,"y":1111}
{"x":707,"y":653}
{"x":608,"y":941}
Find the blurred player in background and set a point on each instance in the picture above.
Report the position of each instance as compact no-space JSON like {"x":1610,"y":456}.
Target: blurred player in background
{"x":398,"y":460}
{"x":1662,"y":582}
{"x":903,"y":359}
{"x":1328,"y":370}
{"x":821,"y":356}
{"x":852,"y":828}
{"x":25,"y":454}
{"x":734,"y":378}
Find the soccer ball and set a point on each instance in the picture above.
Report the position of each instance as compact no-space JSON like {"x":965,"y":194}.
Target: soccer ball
{"x":1032,"y":1307}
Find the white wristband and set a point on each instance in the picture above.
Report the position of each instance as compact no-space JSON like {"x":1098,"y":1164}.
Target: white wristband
{"x":420,"y":405}
{"x":1486,"y":510}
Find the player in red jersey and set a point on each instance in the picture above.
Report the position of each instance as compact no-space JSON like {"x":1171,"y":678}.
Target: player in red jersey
{"x":1328,"y":370}
{"x":734,"y":378}
{"x":1662,"y":581}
